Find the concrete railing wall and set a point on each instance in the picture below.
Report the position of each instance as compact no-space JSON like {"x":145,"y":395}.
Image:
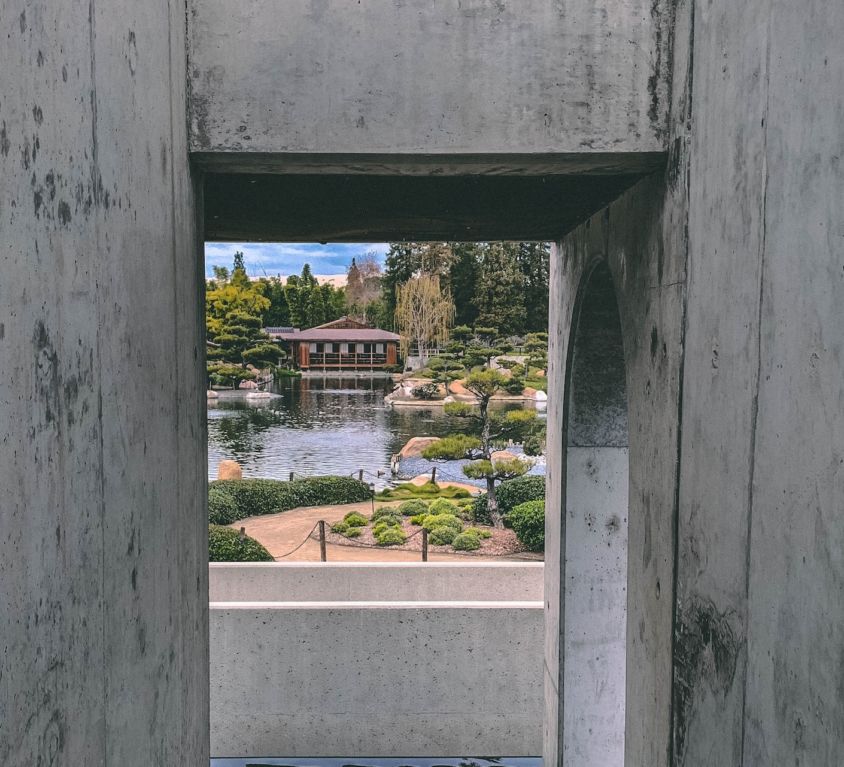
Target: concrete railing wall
{"x":330,"y":676}
{"x":376,"y":582}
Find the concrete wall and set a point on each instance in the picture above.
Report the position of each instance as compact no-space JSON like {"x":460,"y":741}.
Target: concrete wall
{"x":376,"y":678}
{"x":449,"y":76}
{"x":376,"y":581}
{"x":102,"y":467}
{"x":731,"y":287}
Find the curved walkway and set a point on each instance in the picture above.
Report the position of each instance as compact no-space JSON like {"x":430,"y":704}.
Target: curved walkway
{"x":281,"y":533}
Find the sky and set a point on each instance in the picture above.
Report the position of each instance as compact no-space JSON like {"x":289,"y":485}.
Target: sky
{"x":285,"y":258}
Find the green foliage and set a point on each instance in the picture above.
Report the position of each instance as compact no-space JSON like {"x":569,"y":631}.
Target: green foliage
{"x":451,"y":447}
{"x":222,"y":508}
{"x":442,"y":535}
{"x":517,"y":491}
{"x":432,"y":521}
{"x":442,"y":506}
{"x":408,"y":490}
{"x":418,"y":519}
{"x":340,"y":527}
{"x":222,"y":374}
{"x":355,"y":519}
{"x":263,"y":355}
{"x":386,"y":512}
{"x":509,"y":495}
{"x":466,"y":541}
{"x":515,"y":386}
{"x":426,"y":391}
{"x":528,"y":521}
{"x":504,"y":468}
{"x":225,"y":544}
{"x":483,"y":534}
{"x":256,"y":497}
{"x":390,"y":536}
{"x":534,"y":444}
{"x":353,"y":532}
{"x":413,"y":507}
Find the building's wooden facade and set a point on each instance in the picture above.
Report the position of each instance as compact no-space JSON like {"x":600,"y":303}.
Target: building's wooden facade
{"x":344,"y":344}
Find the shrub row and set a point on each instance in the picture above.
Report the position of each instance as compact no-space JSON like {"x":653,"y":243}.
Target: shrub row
{"x":226,"y":545}
{"x":256,"y":497}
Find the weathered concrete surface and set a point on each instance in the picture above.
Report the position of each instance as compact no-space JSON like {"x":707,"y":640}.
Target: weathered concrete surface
{"x":376,"y":581}
{"x":760,"y":622}
{"x":103,"y":638}
{"x":376,"y":678}
{"x":596,"y":606}
{"x":630,"y":235}
{"x":447,"y":76}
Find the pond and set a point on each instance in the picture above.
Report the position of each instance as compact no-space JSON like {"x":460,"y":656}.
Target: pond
{"x":323,"y":425}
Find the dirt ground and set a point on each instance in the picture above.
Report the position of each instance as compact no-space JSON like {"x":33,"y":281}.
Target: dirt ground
{"x":283,"y":535}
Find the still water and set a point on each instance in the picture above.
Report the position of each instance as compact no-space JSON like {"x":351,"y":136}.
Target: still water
{"x":322,"y":425}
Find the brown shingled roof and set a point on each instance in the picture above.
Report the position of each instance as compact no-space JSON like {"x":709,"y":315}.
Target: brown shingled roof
{"x":342,"y":334}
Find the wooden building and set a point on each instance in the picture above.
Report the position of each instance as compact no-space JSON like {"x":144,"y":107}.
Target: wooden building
{"x":343,"y":344}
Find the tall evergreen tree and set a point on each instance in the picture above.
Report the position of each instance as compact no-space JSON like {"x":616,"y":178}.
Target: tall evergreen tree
{"x":499,"y":289}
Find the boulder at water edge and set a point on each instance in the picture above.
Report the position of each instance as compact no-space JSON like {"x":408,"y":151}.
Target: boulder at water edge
{"x":229,"y":470}
{"x":415,"y":446}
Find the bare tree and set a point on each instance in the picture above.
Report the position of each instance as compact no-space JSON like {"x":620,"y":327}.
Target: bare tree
{"x":424,"y":313}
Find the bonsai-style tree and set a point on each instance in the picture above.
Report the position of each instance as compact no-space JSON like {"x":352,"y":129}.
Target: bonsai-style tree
{"x":483,"y":385}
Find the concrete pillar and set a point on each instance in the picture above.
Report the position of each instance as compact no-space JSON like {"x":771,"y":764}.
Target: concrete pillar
{"x":103,"y":574}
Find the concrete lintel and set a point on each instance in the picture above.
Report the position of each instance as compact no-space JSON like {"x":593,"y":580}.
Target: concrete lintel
{"x":457,"y":164}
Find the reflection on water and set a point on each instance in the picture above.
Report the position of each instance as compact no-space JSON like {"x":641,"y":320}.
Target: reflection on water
{"x":319,"y":425}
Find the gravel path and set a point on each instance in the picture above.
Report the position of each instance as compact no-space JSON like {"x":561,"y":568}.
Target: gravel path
{"x":282,"y":533}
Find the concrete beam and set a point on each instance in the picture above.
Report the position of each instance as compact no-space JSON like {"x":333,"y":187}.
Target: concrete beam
{"x":444,"y":76}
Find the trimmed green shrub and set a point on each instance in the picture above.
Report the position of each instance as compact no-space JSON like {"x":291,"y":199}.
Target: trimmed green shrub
{"x":353,"y":532}
{"x":391,"y":536}
{"x":418,"y":519}
{"x":341,"y":527}
{"x":407,"y":491}
{"x":442,"y":520}
{"x":222,"y":509}
{"x":510,"y":494}
{"x":534,"y":445}
{"x":442,"y":506}
{"x":528,"y":521}
{"x":385,"y":513}
{"x":412,"y":508}
{"x":483,"y":534}
{"x":466,"y":541}
{"x":442,"y":535}
{"x":256,"y":497}
{"x":382,"y":524}
{"x":355,"y":519}
{"x":226,"y":545}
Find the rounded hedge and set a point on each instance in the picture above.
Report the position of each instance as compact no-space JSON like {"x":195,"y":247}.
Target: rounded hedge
{"x":442,"y":506}
{"x":466,"y":541}
{"x":353,"y":532}
{"x":222,"y":508}
{"x":355,"y":519}
{"x":341,"y":527}
{"x":418,"y":519}
{"x":413,"y":507}
{"x":386,"y":513}
{"x":225,"y":544}
{"x":442,"y":520}
{"x":528,"y":521}
{"x":483,"y":534}
{"x":391,"y":536}
{"x":510,"y":494}
{"x":442,"y":535}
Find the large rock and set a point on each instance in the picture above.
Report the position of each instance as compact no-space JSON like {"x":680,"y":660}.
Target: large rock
{"x":503,"y":455}
{"x":457,"y":387}
{"x":229,"y":470}
{"x":415,"y":446}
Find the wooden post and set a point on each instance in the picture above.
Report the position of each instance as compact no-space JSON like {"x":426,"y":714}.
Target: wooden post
{"x":360,"y":475}
{"x":434,"y":476}
{"x":322,"y":556}
{"x":424,"y":545}
{"x":291,"y":476}
{"x":242,"y":534}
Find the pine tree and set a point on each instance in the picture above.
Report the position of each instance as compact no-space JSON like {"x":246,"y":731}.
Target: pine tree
{"x":499,"y":290}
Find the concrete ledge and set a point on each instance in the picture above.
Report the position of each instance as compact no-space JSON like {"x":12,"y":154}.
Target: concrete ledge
{"x":381,"y":678}
{"x":391,"y":582}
